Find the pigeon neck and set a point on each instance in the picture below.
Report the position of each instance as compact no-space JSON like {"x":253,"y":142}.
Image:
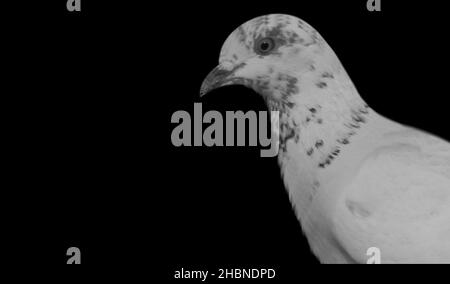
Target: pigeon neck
{"x":316,"y":124}
{"x":312,"y":134}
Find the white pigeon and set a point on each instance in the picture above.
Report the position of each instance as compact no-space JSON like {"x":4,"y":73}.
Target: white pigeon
{"x":356,"y":180}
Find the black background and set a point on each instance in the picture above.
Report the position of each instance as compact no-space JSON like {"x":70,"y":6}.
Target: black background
{"x":96,"y":92}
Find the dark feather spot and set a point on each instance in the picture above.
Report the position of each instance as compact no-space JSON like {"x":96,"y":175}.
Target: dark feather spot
{"x":319,"y":144}
{"x":321,"y":85}
{"x":327,"y":75}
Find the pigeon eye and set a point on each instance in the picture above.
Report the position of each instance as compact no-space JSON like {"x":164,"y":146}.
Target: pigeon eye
{"x":265,"y":45}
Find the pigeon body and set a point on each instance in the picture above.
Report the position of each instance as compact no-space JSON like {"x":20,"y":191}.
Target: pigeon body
{"x":355,"y":178}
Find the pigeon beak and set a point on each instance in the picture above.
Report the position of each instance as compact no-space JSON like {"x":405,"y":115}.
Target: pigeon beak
{"x":221,"y":76}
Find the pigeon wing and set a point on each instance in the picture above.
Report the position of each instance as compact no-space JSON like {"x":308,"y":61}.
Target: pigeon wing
{"x":399,"y":202}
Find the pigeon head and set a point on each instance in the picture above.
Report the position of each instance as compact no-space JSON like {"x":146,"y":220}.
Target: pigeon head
{"x":286,"y":61}
{"x":268,"y":54}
